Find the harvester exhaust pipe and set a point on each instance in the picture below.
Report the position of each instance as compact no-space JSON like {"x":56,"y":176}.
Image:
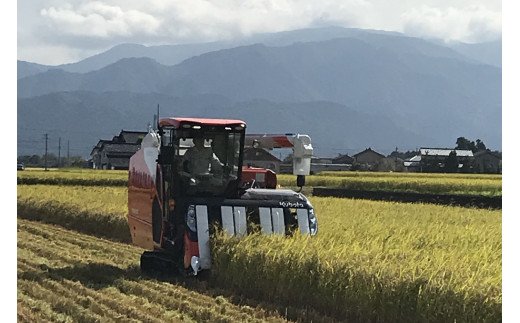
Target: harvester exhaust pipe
{"x":300,"y":181}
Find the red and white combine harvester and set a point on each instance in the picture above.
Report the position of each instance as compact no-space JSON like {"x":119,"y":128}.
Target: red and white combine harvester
{"x":188,"y":178}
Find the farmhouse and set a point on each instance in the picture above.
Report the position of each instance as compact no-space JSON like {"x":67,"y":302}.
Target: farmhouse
{"x":116,"y":153}
{"x":129,"y":137}
{"x":367,"y":159}
{"x":343,"y":159}
{"x":413,"y":164}
{"x":435,"y":159}
{"x":390,"y":164}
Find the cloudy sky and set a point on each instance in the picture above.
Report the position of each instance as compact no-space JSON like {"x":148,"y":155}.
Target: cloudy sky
{"x":62,"y":31}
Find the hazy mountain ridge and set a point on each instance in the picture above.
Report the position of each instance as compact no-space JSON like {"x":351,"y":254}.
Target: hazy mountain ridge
{"x":487,"y":53}
{"x":140,"y":75}
{"x":334,"y":128}
{"x":24,"y":69}
{"x":174,"y":54}
{"x":405,"y":92}
{"x":414,"y":89}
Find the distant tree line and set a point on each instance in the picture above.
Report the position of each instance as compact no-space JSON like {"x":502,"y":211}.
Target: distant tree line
{"x":474,"y":146}
{"x":52,"y":161}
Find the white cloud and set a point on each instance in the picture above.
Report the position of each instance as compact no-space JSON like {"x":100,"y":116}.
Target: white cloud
{"x":51,"y":54}
{"x":200,"y":19}
{"x":98,"y":25}
{"x":469,"y":24}
{"x":97,"y":19}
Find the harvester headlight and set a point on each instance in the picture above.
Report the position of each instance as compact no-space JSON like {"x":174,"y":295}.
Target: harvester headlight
{"x":191,"y":220}
{"x":313,"y":222}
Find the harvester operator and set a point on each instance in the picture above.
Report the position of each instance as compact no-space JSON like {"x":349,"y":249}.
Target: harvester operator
{"x":201,"y":160}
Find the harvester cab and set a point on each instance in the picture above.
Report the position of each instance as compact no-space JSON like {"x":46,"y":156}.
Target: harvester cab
{"x":187,"y":179}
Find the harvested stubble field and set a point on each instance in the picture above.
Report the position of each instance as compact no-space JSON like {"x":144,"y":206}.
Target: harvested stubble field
{"x":370,"y":261}
{"x":65,"y":276}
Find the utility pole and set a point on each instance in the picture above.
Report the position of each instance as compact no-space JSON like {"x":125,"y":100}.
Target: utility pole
{"x":59,"y":151}
{"x":46,"y":139}
{"x":68,"y":151}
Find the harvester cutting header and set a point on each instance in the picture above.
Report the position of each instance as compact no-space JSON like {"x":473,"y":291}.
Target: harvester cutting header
{"x":189,"y":176}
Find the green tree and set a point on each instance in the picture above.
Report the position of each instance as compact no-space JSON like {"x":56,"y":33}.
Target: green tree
{"x":480,"y":145}
{"x":52,"y":161}
{"x":465,"y":144}
{"x":33,"y":160}
{"x":451,"y":165}
{"x":76,"y":161}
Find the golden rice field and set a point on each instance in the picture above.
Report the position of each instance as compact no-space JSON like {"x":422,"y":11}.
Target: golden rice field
{"x":65,"y":276}
{"x":378,"y":261}
{"x":90,"y":209}
{"x":73,"y":176}
{"x":408,"y":175}
{"x":471,"y":184}
{"x":486,"y":185}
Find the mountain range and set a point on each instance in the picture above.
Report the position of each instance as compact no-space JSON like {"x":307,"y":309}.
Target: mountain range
{"x":347,"y":88}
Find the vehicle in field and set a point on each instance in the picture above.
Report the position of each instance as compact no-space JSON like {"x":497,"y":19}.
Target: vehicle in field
{"x":21,"y":166}
{"x":188,"y":179}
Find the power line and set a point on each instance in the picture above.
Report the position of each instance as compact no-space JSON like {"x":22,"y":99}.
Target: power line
{"x":53,"y":130}
{"x":32,"y":144}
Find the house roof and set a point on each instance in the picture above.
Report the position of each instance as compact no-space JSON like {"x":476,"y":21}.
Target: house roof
{"x":413,"y":161}
{"x":130,"y":145}
{"x":416,"y":158}
{"x":120,"y":148}
{"x":101,"y":142}
{"x":99,"y":145}
{"x":445,"y":152}
{"x":133,"y":137}
{"x":367,"y":151}
{"x":343,"y":159}
{"x":259,"y":154}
